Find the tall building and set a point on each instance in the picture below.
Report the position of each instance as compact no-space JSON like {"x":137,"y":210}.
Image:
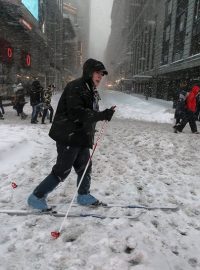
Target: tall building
{"x":71,"y":54}
{"x":51,"y":21}
{"x":30,"y":42}
{"x":22,"y":44}
{"x":82,"y":26}
{"x":117,"y":46}
{"x":160,"y":44}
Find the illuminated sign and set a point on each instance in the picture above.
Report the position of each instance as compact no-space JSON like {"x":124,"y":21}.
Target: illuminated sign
{"x":32,"y":6}
{"x":28,"y":60}
{"x":25,"y":24}
{"x":25,"y":59}
{"x":9,"y":52}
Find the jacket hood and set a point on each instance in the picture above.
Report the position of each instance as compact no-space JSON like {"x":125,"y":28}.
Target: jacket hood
{"x":36,"y":86}
{"x":195,"y":89}
{"x":90,"y":66}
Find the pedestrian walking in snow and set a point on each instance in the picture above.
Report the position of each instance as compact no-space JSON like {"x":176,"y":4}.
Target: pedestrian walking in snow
{"x":35,"y":100}
{"x":19,"y":101}
{"x":46,"y":100}
{"x":2,"y":109}
{"x":189,"y":116}
{"x":73,"y":130}
{"x":180,"y":102}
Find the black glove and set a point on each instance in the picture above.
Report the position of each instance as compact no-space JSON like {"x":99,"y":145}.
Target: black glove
{"x":107,"y":114}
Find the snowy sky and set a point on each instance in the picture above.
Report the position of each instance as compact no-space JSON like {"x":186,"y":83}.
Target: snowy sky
{"x":139,"y":161}
{"x":100,"y":27}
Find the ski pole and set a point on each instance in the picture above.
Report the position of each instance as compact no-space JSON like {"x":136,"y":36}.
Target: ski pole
{"x":56,"y":234}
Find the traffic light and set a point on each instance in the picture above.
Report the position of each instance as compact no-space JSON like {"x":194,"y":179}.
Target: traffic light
{"x":25,"y":59}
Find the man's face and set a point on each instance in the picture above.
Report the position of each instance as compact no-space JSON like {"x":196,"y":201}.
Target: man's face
{"x":96,"y":77}
{"x":183,"y":84}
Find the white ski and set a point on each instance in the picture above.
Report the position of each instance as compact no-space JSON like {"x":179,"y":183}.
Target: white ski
{"x":131,"y":206}
{"x":62,"y":214}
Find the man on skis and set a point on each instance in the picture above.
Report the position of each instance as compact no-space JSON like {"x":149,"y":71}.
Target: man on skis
{"x":73,"y":130}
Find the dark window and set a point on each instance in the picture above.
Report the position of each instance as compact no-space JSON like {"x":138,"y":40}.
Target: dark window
{"x":140,"y":54}
{"x":197,"y":10}
{"x":165,"y":52}
{"x":166,"y":32}
{"x":136,"y":55}
{"x":181,"y":6}
{"x":180,"y":27}
{"x":154,"y":43}
{"x":195,"y":41}
{"x":168,"y":8}
{"x":148,"y":48}
{"x":142,"y":57}
{"x":168,"y":11}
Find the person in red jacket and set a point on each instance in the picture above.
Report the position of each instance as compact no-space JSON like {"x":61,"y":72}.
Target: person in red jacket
{"x":189,"y":117}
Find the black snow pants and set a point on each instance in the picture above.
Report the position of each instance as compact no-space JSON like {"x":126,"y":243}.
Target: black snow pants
{"x":67,"y":158}
{"x":190,"y":118}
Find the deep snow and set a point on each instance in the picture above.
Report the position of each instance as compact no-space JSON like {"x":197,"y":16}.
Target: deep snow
{"x":139,"y":161}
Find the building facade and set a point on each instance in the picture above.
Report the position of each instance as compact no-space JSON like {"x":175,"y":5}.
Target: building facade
{"x":70,"y":42}
{"x":20,"y":57}
{"x":160,"y":45}
{"x":81,"y":27}
{"x":51,"y":22}
{"x":117,"y":44}
{"x":31,"y":41}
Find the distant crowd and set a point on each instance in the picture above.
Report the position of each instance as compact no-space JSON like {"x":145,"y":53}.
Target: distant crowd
{"x":186,"y":104}
{"x":40,"y":100}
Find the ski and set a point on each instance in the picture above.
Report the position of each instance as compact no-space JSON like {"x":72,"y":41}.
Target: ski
{"x":62,"y":214}
{"x":133,"y":206}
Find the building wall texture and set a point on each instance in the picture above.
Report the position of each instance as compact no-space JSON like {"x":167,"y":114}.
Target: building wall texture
{"x":28,"y":38}
{"x":82,"y":26}
{"x":159,"y":45}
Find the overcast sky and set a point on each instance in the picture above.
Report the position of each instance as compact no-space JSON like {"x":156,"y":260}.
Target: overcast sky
{"x":100,"y":27}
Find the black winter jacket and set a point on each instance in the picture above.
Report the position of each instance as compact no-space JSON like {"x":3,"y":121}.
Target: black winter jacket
{"x":20,"y":97}
{"x":36,"y":95}
{"x":75,"y":119}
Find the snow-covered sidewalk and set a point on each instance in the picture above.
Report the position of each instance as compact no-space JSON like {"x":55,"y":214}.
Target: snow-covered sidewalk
{"x":138,"y":162}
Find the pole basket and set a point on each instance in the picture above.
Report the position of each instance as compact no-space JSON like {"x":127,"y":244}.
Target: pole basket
{"x":55,"y":234}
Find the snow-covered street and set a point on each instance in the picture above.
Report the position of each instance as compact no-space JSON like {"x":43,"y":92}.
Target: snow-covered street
{"x":140,"y":161}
